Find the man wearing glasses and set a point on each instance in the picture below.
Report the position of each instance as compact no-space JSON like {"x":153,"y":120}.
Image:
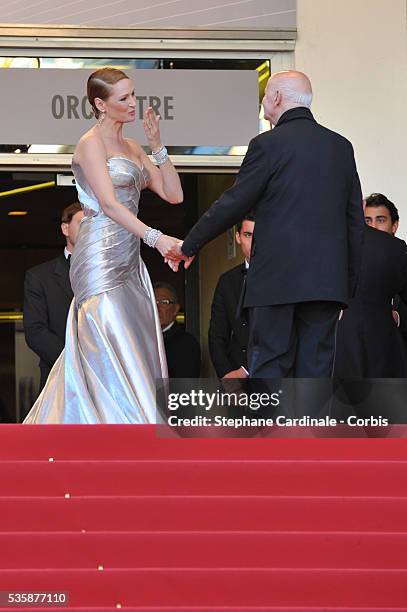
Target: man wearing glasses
{"x":181,"y":348}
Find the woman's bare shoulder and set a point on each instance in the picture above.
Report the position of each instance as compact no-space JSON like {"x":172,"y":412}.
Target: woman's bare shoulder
{"x":90,"y":142}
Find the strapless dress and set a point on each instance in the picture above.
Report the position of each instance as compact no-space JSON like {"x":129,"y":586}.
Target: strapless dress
{"x":114,"y":351}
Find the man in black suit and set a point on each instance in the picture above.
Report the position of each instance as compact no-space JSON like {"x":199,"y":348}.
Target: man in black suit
{"x":383,"y":215}
{"x":228,"y":334}
{"x":48,"y":296}
{"x":301,"y":181}
{"x":369,"y":344}
{"x":181,"y":348}
{"x":371,"y":362}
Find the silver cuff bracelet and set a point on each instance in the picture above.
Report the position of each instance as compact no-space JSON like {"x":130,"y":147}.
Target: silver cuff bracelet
{"x":160,"y":156}
{"x":151,"y":236}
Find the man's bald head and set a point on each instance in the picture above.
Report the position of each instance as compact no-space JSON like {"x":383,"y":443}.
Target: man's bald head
{"x":286,"y":89}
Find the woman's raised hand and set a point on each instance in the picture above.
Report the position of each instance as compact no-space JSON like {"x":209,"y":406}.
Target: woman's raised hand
{"x":151,"y":125}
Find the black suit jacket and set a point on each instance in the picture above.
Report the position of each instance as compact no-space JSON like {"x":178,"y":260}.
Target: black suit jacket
{"x":369,"y":344}
{"x":301,"y":181}
{"x":47,"y":298}
{"x":228,"y":333}
{"x":401,"y":307}
{"x":183,"y":353}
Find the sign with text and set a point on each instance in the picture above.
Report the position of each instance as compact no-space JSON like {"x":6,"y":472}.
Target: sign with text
{"x":197,"y":107}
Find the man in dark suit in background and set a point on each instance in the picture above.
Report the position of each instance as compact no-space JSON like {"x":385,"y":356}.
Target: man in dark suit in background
{"x":369,"y":344}
{"x":383,"y":215}
{"x":371,"y":362}
{"x":301,"y":181}
{"x":181,"y":348}
{"x":48,"y":296}
{"x":228,"y":334}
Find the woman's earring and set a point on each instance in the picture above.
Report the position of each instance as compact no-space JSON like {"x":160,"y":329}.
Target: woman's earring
{"x":101,"y":118}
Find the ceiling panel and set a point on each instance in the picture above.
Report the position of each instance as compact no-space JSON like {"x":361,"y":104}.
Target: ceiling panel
{"x":153,"y":13}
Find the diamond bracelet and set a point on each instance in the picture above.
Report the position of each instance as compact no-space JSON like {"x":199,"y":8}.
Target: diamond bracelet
{"x":151,"y":236}
{"x":160,"y":156}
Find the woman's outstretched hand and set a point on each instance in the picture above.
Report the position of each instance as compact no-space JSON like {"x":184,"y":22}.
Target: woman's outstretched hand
{"x":170,"y":249}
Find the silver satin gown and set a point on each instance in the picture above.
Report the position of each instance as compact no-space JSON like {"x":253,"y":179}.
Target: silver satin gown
{"x":114,"y":349}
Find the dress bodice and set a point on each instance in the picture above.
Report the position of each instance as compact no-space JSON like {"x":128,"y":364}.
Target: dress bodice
{"x":128,"y":179}
{"x":106,"y":254}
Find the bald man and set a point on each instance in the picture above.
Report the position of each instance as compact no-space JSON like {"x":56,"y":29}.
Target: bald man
{"x":301,"y":181}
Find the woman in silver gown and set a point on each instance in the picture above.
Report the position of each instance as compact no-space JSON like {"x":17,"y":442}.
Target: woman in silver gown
{"x":114,"y":350}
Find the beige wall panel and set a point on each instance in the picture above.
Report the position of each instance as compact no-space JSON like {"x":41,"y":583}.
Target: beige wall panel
{"x":355,"y":52}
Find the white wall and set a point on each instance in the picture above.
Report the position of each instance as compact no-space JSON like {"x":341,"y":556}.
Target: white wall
{"x":355,"y":52}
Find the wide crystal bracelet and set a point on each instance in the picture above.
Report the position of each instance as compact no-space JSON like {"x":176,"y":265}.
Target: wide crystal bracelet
{"x":151,"y":236}
{"x":160,"y":156}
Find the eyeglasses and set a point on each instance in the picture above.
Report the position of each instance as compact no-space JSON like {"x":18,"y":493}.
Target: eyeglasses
{"x":164,"y":302}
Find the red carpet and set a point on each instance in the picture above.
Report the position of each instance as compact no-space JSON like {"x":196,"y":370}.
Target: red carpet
{"x":121,"y":517}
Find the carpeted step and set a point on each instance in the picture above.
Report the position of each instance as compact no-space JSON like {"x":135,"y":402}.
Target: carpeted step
{"x":221,"y":587}
{"x":203,"y":513}
{"x":122,"y":516}
{"x":216,"y":609}
{"x":21,"y":442}
{"x":184,"y":477}
{"x":208,"y":549}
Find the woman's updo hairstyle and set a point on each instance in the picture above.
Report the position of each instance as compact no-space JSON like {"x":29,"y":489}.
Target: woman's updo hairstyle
{"x":100,"y":84}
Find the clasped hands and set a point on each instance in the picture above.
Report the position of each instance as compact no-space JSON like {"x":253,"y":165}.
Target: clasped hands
{"x":170,"y":249}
